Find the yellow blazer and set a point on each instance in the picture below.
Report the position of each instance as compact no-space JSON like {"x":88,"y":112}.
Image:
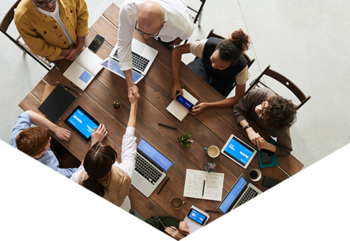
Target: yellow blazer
{"x":43,"y":35}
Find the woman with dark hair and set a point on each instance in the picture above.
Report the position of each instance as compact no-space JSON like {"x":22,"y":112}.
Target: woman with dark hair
{"x":220,"y":63}
{"x":101,"y":174}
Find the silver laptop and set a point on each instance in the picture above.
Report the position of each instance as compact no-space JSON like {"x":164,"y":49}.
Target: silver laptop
{"x":241,"y":192}
{"x":142,"y":59}
{"x":150,"y":169}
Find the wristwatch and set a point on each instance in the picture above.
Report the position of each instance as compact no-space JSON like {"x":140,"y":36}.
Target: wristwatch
{"x":246,"y":127}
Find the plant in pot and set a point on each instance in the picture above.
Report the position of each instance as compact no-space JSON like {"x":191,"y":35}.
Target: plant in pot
{"x":117,"y":105}
{"x":185,"y":139}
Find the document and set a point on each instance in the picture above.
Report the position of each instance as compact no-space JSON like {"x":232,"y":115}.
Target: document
{"x":85,"y":67}
{"x":177,"y":109}
{"x":203,"y":185}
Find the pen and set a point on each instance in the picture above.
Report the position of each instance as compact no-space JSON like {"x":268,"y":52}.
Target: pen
{"x":212,"y":211}
{"x":203,"y":188}
{"x":68,"y":87}
{"x":167,"y":126}
{"x":163,"y":185}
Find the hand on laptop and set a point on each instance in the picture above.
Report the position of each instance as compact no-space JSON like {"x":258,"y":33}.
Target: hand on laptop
{"x":183,"y":228}
{"x":98,"y":134}
{"x":174,"y":232}
{"x":62,"y":134}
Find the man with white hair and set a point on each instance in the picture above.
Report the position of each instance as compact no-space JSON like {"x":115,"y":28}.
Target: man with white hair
{"x":169,"y":21}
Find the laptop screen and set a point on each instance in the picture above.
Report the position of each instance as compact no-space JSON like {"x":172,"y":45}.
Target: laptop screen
{"x":239,"y":151}
{"x":155,"y":155}
{"x":232,"y":195}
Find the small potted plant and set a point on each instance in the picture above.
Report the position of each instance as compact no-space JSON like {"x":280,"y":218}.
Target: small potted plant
{"x":117,"y":105}
{"x":185,"y":139}
{"x":210,"y":167}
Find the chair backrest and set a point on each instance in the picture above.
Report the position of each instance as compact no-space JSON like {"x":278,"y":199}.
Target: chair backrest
{"x":284,"y":81}
{"x":249,"y":60}
{"x":197,"y":12}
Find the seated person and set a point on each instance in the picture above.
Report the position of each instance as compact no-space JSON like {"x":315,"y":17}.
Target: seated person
{"x":174,"y":227}
{"x":101,"y":174}
{"x":220,"y":63}
{"x":35,"y":141}
{"x":270,"y":112}
{"x":53,"y":29}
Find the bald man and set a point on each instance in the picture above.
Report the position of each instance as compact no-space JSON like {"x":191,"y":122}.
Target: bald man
{"x":169,"y":21}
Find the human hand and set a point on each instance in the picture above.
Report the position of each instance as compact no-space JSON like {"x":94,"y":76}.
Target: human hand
{"x":198,"y":108}
{"x":252,"y":135}
{"x":174,"y":232}
{"x":183,"y":228}
{"x":62,"y":133}
{"x":99,"y":134}
{"x":133,"y":100}
{"x":74,"y":52}
{"x":176,"y":88}
{"x":135,"y":91}
{"x":262,"y":144}
{"x":177,"y":41}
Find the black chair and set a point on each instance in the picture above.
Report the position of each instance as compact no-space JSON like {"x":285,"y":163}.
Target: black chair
{"x":4,"y":25}
{"x":198,"y":16}
{"x":283,"y":80}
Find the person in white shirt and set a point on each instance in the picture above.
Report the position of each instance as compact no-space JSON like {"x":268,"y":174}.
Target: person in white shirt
{"x":101,"y":174}
{"x":167,"y":20}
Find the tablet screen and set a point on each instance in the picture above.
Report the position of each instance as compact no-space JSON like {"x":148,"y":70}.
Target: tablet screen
{"x":82,"y":122}
{"x":238,"y":151}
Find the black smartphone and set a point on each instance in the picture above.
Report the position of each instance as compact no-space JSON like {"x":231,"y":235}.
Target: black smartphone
{"x":266,"y":157}
{"x":197,"y":216}
{"x":96,"y":43}
{"x":269,"y":182}
{"x":184,"y":101}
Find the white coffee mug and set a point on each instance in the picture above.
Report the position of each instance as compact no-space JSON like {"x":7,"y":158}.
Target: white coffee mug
{"x":255,"y":175}
{"x":213,"y":151}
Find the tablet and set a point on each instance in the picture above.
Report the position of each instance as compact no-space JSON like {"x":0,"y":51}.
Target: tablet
{"x":82,"y":123}
{"x":238,"y":151}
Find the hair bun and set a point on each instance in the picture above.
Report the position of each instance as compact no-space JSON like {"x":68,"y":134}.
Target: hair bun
{"x":240,"y":39}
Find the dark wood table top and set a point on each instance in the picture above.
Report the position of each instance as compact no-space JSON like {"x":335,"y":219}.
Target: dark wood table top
{"x":211,"y":127}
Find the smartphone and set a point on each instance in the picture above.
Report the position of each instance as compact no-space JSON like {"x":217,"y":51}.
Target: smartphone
{"x":184,"y":102}
{"x":96,"y":43}
{"x":269,"y":182}
{"x":197,"y":216}
{"x":266,"y":157}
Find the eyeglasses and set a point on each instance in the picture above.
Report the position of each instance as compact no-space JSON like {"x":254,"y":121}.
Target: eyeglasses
{"x":45,"y":4}
{"x":262,"y":112}
{"x":153,"y":35}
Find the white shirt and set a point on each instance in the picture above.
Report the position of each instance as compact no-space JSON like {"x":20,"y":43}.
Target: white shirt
{"x":56,"y":15}
{"x":129,"y":147}
{"x":179,"y":25}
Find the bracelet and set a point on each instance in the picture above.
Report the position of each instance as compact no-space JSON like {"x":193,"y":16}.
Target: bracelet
{"x":246,"y":127}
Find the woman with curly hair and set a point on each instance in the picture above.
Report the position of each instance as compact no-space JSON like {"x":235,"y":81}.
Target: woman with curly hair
{"x":220,"y":62}
{"x":270,"y":112}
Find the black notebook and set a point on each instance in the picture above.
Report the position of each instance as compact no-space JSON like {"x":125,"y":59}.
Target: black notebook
{"x":56,"y":103}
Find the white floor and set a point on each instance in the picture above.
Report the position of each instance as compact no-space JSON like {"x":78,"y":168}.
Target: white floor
{"x":307,"y":41}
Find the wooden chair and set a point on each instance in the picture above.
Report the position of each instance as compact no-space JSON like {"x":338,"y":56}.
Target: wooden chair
{"x":249,"y":60}
{"x":4,"y":25}
{"x":283,"y":80}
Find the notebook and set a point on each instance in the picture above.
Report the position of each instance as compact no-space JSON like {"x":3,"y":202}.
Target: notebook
{"x":150,"y":169}
{"x":142,"y":58}
{"x":56,"y":103}
{"x":177,"y":109}
{"x":85,"y":67}
{"x":241,"y":192}
{"x":203,"y":185}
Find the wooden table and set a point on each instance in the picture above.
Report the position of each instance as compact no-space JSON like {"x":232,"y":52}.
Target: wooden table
{"x":211,"y":127}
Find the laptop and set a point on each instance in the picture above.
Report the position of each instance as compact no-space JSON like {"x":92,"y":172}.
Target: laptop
{"x":150,"y":169}
{"x":142,"y":59}
{"x":241,"y":192}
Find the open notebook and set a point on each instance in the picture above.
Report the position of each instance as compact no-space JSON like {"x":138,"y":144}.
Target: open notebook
{"x":177,"y":109}
{"x":85,"y":67}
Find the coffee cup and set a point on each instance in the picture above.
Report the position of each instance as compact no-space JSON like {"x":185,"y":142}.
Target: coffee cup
{"x":176,"y":202}
{"x":213,"y":151}
{"x":255,"y":175}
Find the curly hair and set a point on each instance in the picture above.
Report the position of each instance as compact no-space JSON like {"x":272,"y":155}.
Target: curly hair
{"x":280,"y":113}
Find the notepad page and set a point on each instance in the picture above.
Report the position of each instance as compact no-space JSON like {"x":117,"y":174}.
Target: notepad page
{"x":177,"y":109}
{"x":214,"y":184}
{"x":78,"y":75}
{"x":89,"y":61}
{"x":194,"y":183}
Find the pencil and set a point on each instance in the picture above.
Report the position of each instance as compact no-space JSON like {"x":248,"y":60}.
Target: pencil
{"x":163,"y":185}
{"x":167,"y":126}
{"x":203,"y":187}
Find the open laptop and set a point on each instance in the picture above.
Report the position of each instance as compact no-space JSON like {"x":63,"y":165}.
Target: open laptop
{"x":150,"y":169}
{"x":241,"y":192}
{"x":142,"y":59}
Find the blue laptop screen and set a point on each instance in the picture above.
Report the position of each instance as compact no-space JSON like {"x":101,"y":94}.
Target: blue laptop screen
{"x":155,"y":155}
{"x":80,"y":121}
{"x":238,"y":151}
{"x":114,"y":66}
{"x":231,"y":197}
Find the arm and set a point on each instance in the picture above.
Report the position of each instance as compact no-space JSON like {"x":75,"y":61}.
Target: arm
{"x":240,"y":91}
{"x":74,"y":51}
{"x":175,"y":67}
{"x":39,"y":120}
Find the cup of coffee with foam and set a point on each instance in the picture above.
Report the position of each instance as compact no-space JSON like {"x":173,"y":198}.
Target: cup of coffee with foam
{"x":213,"y":151}
{"x":255,"y":175}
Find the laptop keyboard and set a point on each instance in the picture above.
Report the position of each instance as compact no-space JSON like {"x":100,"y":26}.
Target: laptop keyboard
{"x":138,"y":62}
{"x":249,"y":194}
{"x":147,"y":170}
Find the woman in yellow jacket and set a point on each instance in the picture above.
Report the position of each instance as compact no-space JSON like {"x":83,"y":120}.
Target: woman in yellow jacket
{"x":54,"y":29}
